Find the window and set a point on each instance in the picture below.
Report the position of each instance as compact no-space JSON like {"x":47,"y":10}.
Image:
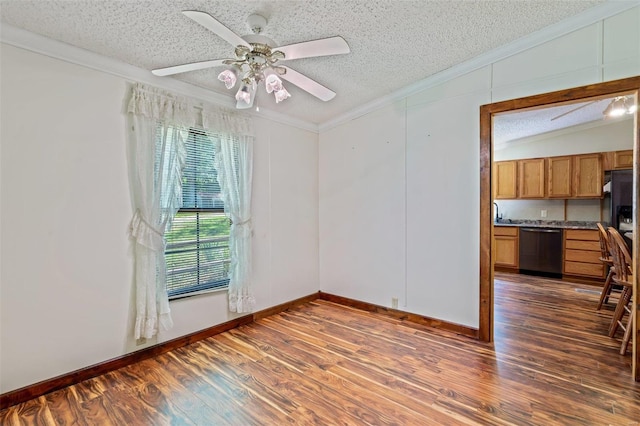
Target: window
{"x":197,"y":251}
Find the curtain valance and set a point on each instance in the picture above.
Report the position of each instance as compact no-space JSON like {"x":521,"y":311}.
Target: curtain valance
{"x":157,"y":104}
{"x":154,"y":103}
{"x":221,"y":121}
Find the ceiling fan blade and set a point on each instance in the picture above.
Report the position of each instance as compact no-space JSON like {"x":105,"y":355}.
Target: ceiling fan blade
{"x":310,"y":49}
{"x":572,"y":110}
{"x":307,"y":84}
{"x":177,"y":69}
{"x":213,"y":25}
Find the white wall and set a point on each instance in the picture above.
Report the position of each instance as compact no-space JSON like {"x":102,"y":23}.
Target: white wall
{"x":362,"y":207}
{"x":66,"y":284}
{"x":66,"y":269}
{"x":443,"y":189}
{"x":390,"y":203}
{"x":431,"y":257}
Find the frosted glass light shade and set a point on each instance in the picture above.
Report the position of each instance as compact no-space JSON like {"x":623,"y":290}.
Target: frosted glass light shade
{"x":228,"y":77}
{"x":273,"y":83}
{"x":246,"y":95}
{"x":281,"y":95}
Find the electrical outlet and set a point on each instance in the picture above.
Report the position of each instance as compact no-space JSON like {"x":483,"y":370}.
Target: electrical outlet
{"x":394,"y":303}
{"x":543,"y":213}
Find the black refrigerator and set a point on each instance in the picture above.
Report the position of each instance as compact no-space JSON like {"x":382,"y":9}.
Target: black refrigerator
{"x":621,"y":193}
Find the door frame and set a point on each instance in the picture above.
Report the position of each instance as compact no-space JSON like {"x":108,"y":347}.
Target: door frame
{"x":630,"y":86}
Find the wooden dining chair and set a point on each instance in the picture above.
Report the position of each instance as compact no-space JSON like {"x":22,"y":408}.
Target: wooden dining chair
{"x":623,"y":277}
{"x":607,"y":261}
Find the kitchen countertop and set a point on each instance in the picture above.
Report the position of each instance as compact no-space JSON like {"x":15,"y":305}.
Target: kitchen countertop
{"x":548,"y":224}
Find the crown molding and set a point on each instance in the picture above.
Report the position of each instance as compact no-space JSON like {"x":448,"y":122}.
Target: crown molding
{"x":588,"y":17}
{"x":58,"y":50}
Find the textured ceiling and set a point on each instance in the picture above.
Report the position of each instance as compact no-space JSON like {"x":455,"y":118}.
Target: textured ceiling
{"x":393,"y":43}
{"x":522,"y":124}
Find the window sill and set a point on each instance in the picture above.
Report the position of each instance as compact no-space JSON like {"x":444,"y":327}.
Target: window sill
{"x":198,"y":293}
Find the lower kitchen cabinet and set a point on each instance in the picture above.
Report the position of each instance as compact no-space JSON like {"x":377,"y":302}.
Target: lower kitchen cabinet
{"x":506,"y":246}
{"x":582,"y":253}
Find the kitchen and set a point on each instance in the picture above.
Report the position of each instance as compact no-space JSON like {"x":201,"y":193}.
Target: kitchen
{"x":558,"y":171}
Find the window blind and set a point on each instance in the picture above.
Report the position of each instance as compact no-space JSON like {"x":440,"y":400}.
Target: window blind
{"x":197,"y":251}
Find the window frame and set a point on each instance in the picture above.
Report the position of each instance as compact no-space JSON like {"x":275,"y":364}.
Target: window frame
{"x":197,"y":288}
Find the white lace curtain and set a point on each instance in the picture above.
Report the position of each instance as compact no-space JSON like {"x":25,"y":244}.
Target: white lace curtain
{"x":234,"y":160}
{"x":158,"y":126}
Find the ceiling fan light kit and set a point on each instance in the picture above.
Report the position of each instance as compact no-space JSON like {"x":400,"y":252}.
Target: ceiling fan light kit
{"x":619,"y":106}
{"x":256,"y":61}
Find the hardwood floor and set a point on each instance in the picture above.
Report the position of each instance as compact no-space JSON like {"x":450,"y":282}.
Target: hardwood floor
{"x":323,"y":363}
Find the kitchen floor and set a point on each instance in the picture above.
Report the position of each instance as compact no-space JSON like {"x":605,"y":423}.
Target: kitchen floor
{"x":555,"y":322}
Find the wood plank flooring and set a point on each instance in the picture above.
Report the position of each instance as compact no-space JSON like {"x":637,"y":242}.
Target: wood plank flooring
{"x":326,"y":364}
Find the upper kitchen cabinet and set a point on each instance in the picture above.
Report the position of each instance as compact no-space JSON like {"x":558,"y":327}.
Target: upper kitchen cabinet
{"x":623,"y":159}
{"x":618,"y":160}
{"x":588,"y":176}
{"x":565,"y":177}
{"x":505,"y":180}
{"x":531,"y":178}
{"x":560,"y":177}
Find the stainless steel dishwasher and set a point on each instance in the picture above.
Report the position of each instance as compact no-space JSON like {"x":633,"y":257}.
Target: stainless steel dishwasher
{"x":541,"y":251}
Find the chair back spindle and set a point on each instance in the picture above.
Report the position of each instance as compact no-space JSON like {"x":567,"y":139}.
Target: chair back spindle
{"x":620,"y":254}
{"x":605,"y":251}
{"x":624,"y":277}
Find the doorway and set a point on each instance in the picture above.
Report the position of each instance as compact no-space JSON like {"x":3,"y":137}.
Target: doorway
{"x":629,"y":86}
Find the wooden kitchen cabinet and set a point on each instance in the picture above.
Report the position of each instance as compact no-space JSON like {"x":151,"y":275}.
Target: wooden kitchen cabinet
{"x":560,"y":177}
{"x":531,"y":178}
{"x":588,"y":176}
{"x":505,"y":180}
{"x":617,"y":160}
{"x":623,"y":159}
{"x":582,"y":253}
{"x":506,"y":246}
{"x":571,"y":176}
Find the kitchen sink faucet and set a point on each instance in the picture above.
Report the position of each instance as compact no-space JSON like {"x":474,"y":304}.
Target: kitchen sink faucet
{"x":498,"y":217}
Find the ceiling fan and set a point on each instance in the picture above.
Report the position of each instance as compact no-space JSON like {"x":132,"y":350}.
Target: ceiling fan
{"x":257,"y":59}
{"x":615,"y":107}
